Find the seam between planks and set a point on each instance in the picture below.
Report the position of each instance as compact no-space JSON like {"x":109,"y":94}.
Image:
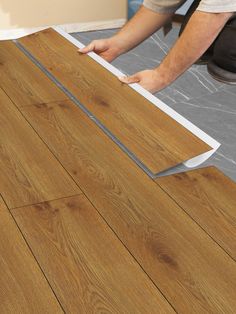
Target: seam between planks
{"x":176,"y":202}
{"x":51,"y":200}
{"x":34,"y":257}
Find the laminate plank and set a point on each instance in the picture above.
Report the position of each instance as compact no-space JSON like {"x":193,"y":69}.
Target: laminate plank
{"x":29,"y":172}
{"x":191,"y":270}
{"x":155,"y":138}
{"x":23,"y":287}
{"x":88,"y":267}
{"x":209,"y":197}
{"x":22,"y":80}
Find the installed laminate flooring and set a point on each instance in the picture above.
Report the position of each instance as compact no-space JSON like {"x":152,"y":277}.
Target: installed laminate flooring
{"x":23,"y":287}
{"x":139,"y":125}
{"x":209,"y":197}
{"x":168,"y":244}
{"x":23,"y":80}
{"x":29,"y":172}
{"x":88,"y":267}
{"x":107,"y":238}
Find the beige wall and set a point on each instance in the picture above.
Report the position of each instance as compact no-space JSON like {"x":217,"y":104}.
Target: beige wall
{"x":34,"y":13}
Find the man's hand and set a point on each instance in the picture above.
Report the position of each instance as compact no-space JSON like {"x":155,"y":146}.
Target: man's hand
{"x":151,"y":80}
{"x":141,"y":26}
{"x":108,"y":49}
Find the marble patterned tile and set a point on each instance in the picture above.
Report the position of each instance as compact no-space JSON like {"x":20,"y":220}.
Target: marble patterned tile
{"x":209,"y":104}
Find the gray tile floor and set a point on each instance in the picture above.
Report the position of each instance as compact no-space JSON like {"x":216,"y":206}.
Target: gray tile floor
{"x":209,"y":104}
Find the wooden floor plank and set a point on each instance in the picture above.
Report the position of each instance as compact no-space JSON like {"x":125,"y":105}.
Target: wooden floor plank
{"x":23,"y":287}
{"x":22,"y":80}
{"x":29,"y":172}
{"x":87,"y":266}
{"x":209,"y":197}
{"x":191,"y":270}
{"x":155,"y":138}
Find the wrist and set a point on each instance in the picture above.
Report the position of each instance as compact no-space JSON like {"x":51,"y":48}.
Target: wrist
{"x":164,"y":75}
{"x":120,"y":43}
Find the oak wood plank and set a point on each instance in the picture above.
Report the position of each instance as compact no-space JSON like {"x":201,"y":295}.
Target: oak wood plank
{"x":191,"y":270}
{"x":155,"y":138}
{"x":23,"y":287}
{"x":29,"y":171}
{"x":209,"y":197}
{"x":88,"y":267}
{"x":24,"y":82}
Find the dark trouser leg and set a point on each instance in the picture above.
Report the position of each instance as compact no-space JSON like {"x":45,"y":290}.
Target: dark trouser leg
{"x":223,"y":63}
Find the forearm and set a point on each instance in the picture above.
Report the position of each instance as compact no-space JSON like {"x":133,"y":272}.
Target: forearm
{"x":200,"y":32}
{"x":144,"y":23}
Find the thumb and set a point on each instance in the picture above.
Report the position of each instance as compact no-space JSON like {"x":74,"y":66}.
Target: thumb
{"x":130,"y":79}
{"x":87,"y":48}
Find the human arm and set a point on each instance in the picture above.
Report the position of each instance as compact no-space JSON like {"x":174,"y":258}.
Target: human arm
{"x":199,"y":34}
{"x":143,"y":24}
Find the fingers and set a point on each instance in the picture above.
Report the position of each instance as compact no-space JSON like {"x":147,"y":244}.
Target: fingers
{"x":130,"y":79}
{"x":88,"y":48}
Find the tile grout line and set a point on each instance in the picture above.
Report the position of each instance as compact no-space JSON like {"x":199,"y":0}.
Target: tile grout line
{"x":33,"y":255}
{"x":85,"y":110}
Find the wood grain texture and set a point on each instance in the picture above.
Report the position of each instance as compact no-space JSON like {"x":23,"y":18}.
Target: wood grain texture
{"x":155,"y":138}
{"x":209,"y":197}
{"x":191,"y":270}
{"x":88,"y":267}
{"x":23,"y":287}
{"x":29,"y":172}
{"x":22,"y":80}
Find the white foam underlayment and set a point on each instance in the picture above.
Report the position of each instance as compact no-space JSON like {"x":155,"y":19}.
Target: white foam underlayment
{"x":193,"y":162}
